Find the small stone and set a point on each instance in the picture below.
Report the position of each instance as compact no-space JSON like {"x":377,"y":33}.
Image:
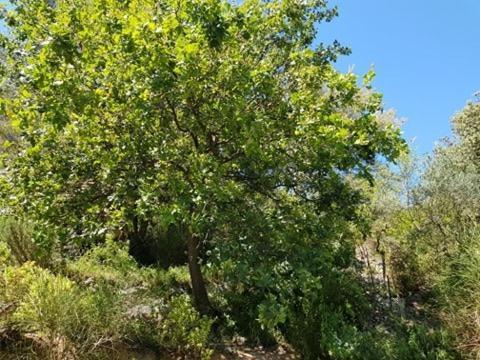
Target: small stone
{"x":140,"y":311}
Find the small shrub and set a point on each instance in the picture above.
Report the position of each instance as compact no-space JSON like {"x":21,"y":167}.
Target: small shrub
{"x":166,"y":283}
{"x":16,"y":235}
{"x":326,"y":322}
{"x":403,"y":340}
{"x":106,"y":263}
{"x":405,"y":271}
{"x":15,"y":282}
{"x":174,"y":326}
{"x":120,"y":305}
{"x":459,"y":293}
{"x":5,"y":255}
{"x":63,"y":319}
{"x":183,"y":328}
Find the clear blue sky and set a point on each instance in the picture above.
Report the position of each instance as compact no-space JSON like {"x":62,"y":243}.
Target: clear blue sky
{"x":426,"y":54}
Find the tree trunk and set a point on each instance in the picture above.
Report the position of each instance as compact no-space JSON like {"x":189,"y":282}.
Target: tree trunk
{"x":200,"y":296}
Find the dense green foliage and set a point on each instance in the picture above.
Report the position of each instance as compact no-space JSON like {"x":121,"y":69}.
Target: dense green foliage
{"x":136,"y":112}
{"x":432,"y":231}
{"x":181,"y":173}
{"x":196,"y":114}
{"x":103,"y":303}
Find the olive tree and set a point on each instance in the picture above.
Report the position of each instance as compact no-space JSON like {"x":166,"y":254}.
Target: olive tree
{"x":466,"y":126}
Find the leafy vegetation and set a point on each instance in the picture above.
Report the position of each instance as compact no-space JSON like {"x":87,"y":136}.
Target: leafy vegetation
{"x":103,"y":303}
{"x":180,"y":175}
{"x":432,"y":232}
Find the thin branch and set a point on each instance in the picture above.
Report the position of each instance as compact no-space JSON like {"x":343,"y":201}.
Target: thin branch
{"x":180,"y":128}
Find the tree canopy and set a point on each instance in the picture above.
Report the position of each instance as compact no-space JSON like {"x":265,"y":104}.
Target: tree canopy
{"x":181,"y":112}
{"x":177,"y":175}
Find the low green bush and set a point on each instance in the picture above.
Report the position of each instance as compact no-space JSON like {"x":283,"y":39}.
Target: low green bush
{"x":16,"y":236}
{"x":307,"y":300}
{"x":59,"y":313}
{"x":109,"y":263}
{"x":459,"y":295}
{"x":183,"y":327}
{"x":403,"y":340}
{"x":105,"y":303}
{"x":5,"y":254}
{"x":171,"y":326}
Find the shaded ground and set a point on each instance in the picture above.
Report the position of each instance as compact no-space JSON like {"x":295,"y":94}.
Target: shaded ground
{"x":229,"y":353}
{"x":246,"y":353}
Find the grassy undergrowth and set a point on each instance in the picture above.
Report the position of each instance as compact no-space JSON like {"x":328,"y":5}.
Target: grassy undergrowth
{"x":98,"y":304}
{"x":101,"y":304}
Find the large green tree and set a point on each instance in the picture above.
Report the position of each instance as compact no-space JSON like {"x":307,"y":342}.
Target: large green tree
{"x":129,"y":112}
